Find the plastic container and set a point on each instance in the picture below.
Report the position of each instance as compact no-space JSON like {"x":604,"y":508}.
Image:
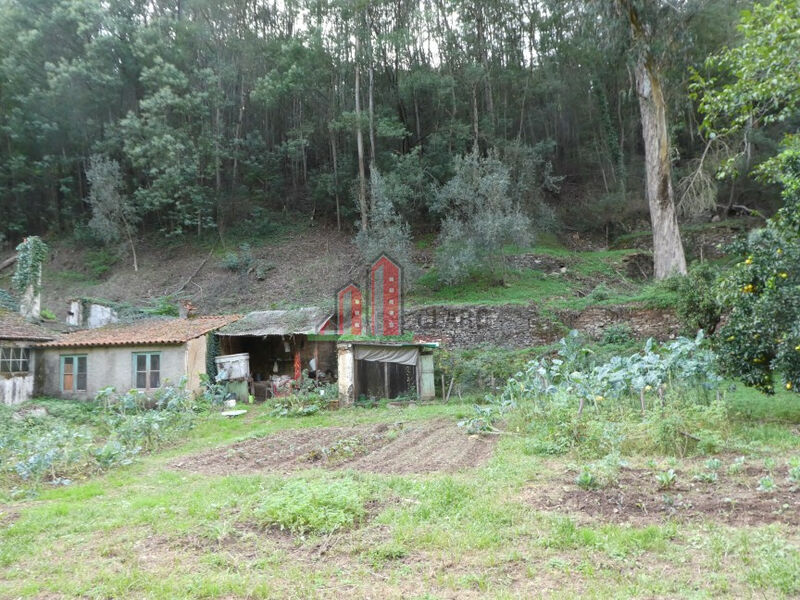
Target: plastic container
{"x":233,"y":367}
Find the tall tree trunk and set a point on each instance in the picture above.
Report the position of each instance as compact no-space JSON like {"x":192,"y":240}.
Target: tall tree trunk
{"x":371,"y":113}
{"x":362,"y":177}
{"x":475,"y":115}
{"x":335,"y":179}
{"x":668,"y":254}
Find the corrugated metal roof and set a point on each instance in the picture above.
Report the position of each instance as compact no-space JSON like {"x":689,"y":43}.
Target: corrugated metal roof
{"x":306,"y":320}
{"x":13,"y":326}
{"x":144,"y":332}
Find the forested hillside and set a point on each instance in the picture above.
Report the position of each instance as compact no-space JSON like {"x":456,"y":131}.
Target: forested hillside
{"x":202,"y":117}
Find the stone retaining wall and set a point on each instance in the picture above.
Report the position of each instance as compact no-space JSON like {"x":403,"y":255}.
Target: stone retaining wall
{"x":517,"y":326}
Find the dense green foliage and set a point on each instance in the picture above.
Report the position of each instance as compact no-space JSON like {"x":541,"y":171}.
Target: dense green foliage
{"x":216,"y":109}
{"x":31,"y":254}
{"x":661,"y":399}
{"x":57,"y":441}
{"x":756,"y":88}
{"x":697,"y":305}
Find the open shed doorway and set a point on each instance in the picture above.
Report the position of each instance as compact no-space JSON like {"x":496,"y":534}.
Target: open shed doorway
{"x":281,"y":346}
{"x":386,"y":371}
{"x":275,"y":360}
{"x":376,"y":379}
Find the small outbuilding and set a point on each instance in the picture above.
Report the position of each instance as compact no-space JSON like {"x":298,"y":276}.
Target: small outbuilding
{"x":372,"y":369}
{"x":18,"y":357}
{"x":144,"y":355}
{"x":280,"y":345}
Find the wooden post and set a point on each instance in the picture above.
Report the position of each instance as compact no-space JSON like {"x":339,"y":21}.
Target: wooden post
{"x":386,"y":380}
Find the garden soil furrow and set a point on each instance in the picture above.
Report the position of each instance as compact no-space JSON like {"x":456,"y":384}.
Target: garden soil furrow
{"x":433,"y":446}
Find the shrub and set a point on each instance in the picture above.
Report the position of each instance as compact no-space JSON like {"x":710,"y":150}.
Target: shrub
{"x":99,"y":262}
{"x":600,"y":293}
{"x":761,"y":339}
{"x":618,"y":333}
{"x":480,"y":217}
{"x":239,"y":261}
{"x":697,"y":306}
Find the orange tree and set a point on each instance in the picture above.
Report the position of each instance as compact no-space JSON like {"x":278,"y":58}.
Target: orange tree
{"x":752,"y":86}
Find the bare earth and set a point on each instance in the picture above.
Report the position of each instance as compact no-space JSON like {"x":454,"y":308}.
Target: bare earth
{"x":732,"y":499}
{"x":401,"y":448}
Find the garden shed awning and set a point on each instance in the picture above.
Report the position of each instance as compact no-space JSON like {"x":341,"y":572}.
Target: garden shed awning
{"x":300,"y":321}
{"x":402,"y":355}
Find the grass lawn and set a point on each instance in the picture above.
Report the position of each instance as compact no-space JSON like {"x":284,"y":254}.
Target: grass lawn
{"x":226,"y":513}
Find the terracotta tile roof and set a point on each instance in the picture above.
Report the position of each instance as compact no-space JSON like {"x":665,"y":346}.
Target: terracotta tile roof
{"x":143,"y":332}
{"x":14,"y":327}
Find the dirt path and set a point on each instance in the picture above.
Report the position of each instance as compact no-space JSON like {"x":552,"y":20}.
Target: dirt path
{"x":400,"y":448}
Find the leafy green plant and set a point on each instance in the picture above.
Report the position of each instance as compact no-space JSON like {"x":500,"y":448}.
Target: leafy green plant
{"x":306,"y":399}
{"x":794,"y":474}
{"x":707,"y":477}
{"x":766,"y":484}
{"x":586,"y":479}
{"x":737,"y":466}
{"x":73,"y":440}
{"x":713,"y":464}
{"x":666,"y":479}
{"x":618,"y":333}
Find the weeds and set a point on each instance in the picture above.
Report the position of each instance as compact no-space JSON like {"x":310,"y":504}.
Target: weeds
{"x":307,"y":399}
{"x":305,"y":506}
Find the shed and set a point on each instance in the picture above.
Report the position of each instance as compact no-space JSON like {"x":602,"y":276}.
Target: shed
{"x":18,"y":358}
{"x":281,"y":344}
{"x":382,"y":369}
{"x":144,"y":355}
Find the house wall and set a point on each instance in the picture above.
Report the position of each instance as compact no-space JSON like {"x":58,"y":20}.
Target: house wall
{"x":90,"y":315}
{"x":17,"y":388}
{"x":196,"y":351}
{"x":113,"y":366}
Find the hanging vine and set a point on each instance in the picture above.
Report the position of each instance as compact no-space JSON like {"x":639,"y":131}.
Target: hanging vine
{"x":31,"y":254}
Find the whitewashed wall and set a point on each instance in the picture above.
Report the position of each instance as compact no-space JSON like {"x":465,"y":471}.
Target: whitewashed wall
{"x":16,"y":389}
